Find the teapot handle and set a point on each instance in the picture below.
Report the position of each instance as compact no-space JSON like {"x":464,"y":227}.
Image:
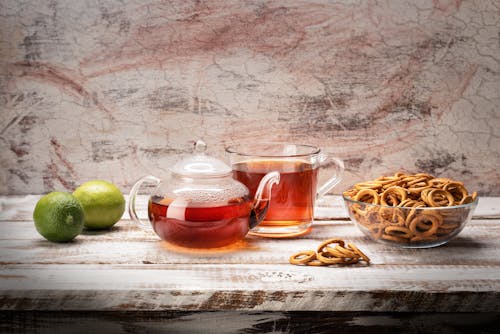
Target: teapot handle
{"x":132,"y":197}
{"x":262,"y":197}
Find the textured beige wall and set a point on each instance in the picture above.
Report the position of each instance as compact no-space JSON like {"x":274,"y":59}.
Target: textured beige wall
{"x":116,"y":90}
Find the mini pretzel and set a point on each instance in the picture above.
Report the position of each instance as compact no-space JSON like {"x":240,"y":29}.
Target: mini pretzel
{"x":392,"y":216}
{"x":397,"y":239}
{"x":424,"y":218}
{"x":398,"y":231}
{"x":411,"y":203}
{"x":376,"y":230}
{"x":302,"y":257}
{"x":369,"y":185}
{"x":417,"y":189}
{"x":438,"y":182}
{"x":393,"y":196}
{"x":358,"y":209}
{"x":439,"y":197}
{"x":384,"y":180}
{"x":457,"y":190}
{"x":350,"y":261}
{"x":333,"y":251}
{"x":367,"y":195}
{"x":469,"y":199}
{"x":316,"y":263}
{"x":449,"y":226}
{"x":328,"y":242}
{"x":346,"y":252}
{"x":416,"y":181}
{"x":329,"y":260}
{"x":414,"y":212}
{"x":357,"y":251}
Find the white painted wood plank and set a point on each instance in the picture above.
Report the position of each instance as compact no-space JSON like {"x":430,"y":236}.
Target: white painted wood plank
{"x":20,"y":244}
{"x":330,"y":207}
{"x":488,"y":207}
{"x":250,"y":277}
{"x":155,"y":253}
{"x":17,"y":207}
{"x":252,"y":287}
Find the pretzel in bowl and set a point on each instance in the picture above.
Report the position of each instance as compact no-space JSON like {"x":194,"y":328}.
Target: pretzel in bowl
{"x":401,"y":208}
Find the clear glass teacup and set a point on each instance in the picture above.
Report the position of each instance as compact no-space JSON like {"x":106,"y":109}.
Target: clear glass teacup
{"x":291,"y":209}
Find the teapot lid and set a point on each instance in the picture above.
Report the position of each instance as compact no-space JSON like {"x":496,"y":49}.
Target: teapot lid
{"x":200,"y":165}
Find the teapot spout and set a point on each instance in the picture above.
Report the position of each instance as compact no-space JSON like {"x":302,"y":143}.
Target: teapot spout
{"x":263,"y":197}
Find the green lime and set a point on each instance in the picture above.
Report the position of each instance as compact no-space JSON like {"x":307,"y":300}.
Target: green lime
{"x":58,"y":216}
{"x":103,"y":203}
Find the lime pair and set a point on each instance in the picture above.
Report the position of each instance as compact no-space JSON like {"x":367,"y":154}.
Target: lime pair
{"x":61,"y":216}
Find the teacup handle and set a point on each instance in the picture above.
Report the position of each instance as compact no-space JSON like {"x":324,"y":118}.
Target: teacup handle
{"x":338,"y":165}
{"x":132,"y":197}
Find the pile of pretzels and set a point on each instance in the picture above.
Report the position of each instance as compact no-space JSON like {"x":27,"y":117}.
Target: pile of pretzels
{"x":410,"y":208}
{"x":330,"y":252}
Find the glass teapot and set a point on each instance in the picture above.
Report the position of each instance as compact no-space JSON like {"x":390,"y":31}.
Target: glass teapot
{"x":200,"y":205}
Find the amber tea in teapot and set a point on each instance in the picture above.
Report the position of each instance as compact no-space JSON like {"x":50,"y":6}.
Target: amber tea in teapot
{"x":202,"y":226}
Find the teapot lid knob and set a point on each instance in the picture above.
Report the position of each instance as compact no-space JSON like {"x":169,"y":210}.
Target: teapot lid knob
{"x":200,"y":146}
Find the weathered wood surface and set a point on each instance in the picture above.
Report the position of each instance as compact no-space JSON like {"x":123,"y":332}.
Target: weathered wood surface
{"x":129,"y":269}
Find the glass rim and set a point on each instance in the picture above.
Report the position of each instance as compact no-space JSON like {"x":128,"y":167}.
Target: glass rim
{"x":467,"y":205}
{"x":246,"y":150}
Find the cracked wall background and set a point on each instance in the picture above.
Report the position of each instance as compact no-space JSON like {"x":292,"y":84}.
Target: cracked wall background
{"x":116,"y":90}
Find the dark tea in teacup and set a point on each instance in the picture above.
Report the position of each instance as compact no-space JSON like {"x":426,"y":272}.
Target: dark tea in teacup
{"x":291,"y":209}
{"x":292,"y":201}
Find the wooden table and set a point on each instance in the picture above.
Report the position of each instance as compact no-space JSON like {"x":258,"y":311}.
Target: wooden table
{"x":126,"y":279}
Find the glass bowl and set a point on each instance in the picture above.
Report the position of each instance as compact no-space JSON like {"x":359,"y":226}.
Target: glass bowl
{"x":409,"y":227}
